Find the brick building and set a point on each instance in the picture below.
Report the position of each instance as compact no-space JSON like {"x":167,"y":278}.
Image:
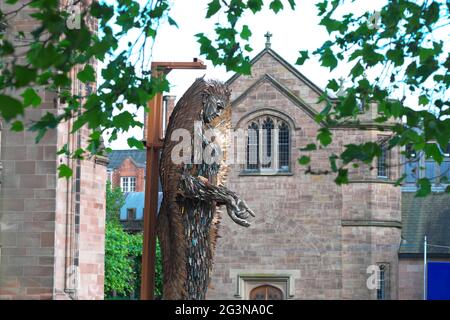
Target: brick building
{"x":126,"y":169}
{"x":312,"y":239}
{"x":51,"y":230}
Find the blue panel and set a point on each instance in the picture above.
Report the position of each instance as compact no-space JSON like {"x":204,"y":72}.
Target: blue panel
{"x":411,"y":171}
{"x":430,"y":170}
{"x":135,"y":200}
{"x":438,"y":281}
{"x":445,"y":170}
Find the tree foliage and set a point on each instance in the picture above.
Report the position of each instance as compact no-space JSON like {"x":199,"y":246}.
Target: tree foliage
{"x":123,"y":252}
{"x":115,"y":199}
{"x":121,"y":248}
{"x":402,"y":43}
{"x":56,"y":47}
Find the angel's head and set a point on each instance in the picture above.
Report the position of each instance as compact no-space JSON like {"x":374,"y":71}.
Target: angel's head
{"x":216,"y":97}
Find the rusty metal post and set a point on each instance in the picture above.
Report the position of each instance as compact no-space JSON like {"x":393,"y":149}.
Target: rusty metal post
{"x":154,"y":145}
{"x":151,"y":198}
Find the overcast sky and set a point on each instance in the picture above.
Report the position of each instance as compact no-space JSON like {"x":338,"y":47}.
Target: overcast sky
{"x":292,"y":31}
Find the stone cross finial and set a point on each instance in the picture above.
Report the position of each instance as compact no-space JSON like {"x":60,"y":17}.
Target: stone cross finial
{"x":268,"y":35}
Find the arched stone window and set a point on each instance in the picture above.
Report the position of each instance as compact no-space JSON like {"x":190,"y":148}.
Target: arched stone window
{"x":283,"y":147}
{"x":268,"y":145}
{"x":253,"y":146}
{"x":383,"y":159}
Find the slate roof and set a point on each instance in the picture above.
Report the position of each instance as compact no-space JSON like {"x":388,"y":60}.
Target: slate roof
{"x":116,"y":157}
{"x":428,"y":216}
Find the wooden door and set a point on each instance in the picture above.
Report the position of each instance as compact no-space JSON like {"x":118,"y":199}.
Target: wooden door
{"x":266,"y":292}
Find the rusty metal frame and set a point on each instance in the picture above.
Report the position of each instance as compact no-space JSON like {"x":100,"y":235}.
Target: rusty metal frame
{"x":154,"y":143}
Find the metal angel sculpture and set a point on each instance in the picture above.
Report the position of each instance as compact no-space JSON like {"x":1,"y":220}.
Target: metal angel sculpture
{"x":188,"y":219}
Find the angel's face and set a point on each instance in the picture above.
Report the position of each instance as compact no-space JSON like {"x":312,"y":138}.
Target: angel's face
{"x":213,"y":107}
{"x":216,"y":98}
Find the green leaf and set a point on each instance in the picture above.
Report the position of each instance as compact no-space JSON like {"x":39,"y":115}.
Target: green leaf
{"x":433,"y":151}
{"x":78,"y":154}
{"x":47,"y":121}
{"x":325,"y":112}
{"x":370,"y":56}
{"x":322,"y":7}
{"x":30,"y":97}
{"x":87,"y":74}
{"x":330,"y":24}
{"x":303,"y":56}
{"x":423,"y":100}
{"x":248,"y":48}
{"x":333,"y":163}
{"x":172,"y":22}
{"x":424,"y":187}
{"x":292,"y":4}
{"x":304,"y":160}
{"x":364,"y":152}
{"x":348,"y":106}
{"x":10,"y":107}
{"x":432,"y":13}
{"x":44,"y":57}
{"x":95,"y":135}
{"x":133,"y":142}
{"x":159,"y":9}
{"x":64,"y":171}
{"x":309,"y":147}
{"x":79,"y":122}
{"x":244,"y":68}
{"x":396,"y":56}
{"x":324,"y":136}
{"x":276,"y":6}
{"x":123,"y":120}
{"x":151,"y":33}
{"x":342,"y":177}
{"x":245,"y":33}
{"x":425,"y":54}
{"x":328,"y":59}
{"x":17,"y":126}
{"x":24,"y":75}
{"x":64,"y":150}
{"x":333,"y":85}
{"x":400,"y":180}
{"x":213,"y":7}
{"x":61,"y":80}
{"x":397,"y":109}
{"x":255,"y":5}
{"x":357,"y":70}
{"x":101,"y":11}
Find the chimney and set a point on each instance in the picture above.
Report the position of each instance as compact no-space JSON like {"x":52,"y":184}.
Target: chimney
{"x":169,"y":102}
{"x":168,"y":105}
{"x":167,"y":108}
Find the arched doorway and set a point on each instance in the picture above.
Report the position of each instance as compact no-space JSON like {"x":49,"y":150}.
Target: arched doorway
{"x":266,"y":292}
